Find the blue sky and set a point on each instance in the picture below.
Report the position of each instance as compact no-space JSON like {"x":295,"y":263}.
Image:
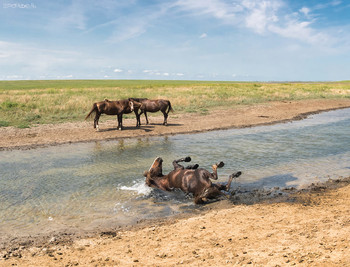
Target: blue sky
{"x":233,"y":40}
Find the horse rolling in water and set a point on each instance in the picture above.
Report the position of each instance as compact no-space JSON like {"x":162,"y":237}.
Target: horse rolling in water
{"x":148,"y":105}
{"x":189,"y":179}
{"x":108,"y":107}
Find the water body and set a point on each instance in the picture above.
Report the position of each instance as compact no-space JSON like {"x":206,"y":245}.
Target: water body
{"x":86,"y":185}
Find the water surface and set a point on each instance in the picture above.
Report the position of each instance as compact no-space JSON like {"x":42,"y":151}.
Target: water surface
{"x":86,"y":185}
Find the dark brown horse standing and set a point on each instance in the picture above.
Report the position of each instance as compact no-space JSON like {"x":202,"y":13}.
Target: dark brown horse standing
{"x":189,"y":180}
{"x":118,"y":108}
{"x":148,"y":105}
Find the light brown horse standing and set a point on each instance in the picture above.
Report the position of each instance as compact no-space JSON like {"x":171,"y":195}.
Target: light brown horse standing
{"x":118,"y":108}
{"x":148,"y":105}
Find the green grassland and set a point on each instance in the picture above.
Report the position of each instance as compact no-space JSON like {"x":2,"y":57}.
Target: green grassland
{"x":26,"y":103}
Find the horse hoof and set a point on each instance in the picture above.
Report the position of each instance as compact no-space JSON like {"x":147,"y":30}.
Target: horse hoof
{"x":220,"y":164}
{"x":187,"y":159}
{"x":235,"y":175}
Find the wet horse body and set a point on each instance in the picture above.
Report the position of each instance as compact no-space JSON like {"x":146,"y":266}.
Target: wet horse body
{"x":148,"y":105}
{"x":189,"y":179}
{"x":108,"y":107}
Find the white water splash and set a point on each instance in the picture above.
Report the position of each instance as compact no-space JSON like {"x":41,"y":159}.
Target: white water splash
{"x":139,"y":187}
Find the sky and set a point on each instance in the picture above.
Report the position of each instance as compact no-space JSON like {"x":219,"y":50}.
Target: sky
{"x":229,"y":40}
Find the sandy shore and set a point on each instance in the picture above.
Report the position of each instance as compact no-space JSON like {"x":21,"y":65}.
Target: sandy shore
{"x":307,"y":228}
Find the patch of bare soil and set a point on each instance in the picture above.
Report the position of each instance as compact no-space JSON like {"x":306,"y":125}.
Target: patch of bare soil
{"x":238,"y":117}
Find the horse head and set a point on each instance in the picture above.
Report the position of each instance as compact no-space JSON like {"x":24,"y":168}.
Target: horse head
{"x":136,"y":104}
{"x":131,"y":105}
{"x":156,"y":168}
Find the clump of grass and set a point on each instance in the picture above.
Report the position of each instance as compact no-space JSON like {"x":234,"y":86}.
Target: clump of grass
{"x":23,"y":125}
{"x":24,"y":103}
{"x":4,"y":123}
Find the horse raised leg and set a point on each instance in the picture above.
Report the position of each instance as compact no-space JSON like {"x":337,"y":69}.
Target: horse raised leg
{"x":215,"y":167}
{"x":177,"y":165}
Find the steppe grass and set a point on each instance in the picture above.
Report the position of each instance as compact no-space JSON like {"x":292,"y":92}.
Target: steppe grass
{"x":26,"y":103}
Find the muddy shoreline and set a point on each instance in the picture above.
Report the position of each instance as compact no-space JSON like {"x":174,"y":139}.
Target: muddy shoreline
{"x":53,"y":246}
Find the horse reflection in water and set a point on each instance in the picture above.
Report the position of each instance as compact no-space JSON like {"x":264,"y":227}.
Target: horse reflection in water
{"x":190,"y":179}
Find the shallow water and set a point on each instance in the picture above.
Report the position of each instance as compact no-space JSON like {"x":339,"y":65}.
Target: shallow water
{"x":87,"y":185}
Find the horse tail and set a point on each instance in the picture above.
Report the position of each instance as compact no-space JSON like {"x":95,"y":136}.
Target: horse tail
{"x":170,"y":108}
{"x":94,"y":109}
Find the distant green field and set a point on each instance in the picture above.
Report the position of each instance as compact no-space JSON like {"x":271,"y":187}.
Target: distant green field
{"x":26,"y":103}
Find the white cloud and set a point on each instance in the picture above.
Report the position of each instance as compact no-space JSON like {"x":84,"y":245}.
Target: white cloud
{"x":301,"y":31}
{"x":305,"y":11}
{"x":263,"y":17}
{"x":118,"y":70}
{"x":217,"y":8}
{"x":203,"y":35}
{"x":260,"y":14}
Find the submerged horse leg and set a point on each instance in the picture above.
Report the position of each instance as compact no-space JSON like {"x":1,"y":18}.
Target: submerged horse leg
{"x":228,"y":185}
{"x":209,"y":193}
{"x":215,"y":190}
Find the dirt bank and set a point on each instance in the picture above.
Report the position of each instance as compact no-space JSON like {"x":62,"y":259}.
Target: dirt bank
{"x":243,"y":116}
{"x":309,"y":228}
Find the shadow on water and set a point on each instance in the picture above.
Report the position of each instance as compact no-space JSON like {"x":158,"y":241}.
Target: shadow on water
{"x":278,"y":180}
{"x":145,"y":127}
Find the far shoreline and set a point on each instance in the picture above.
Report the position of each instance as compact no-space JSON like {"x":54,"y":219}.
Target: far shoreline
{"x":237,"y":117}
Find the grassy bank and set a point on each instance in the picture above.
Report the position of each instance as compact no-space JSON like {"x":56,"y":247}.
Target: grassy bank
{"x":24,"y":103}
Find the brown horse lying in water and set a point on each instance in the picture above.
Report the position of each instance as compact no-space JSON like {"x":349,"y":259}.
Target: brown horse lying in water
{"x":190,"y":179}
{"x":152,"y":106}
{"x":118,"y":108}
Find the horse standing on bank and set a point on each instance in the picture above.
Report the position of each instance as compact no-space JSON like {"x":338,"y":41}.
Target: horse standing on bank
{"x":189,"y":179}
{"x":148,"y":105}
{"x":108,"y":107}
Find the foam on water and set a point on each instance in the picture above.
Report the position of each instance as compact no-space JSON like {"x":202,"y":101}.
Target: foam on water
{"x":139,"y":187}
